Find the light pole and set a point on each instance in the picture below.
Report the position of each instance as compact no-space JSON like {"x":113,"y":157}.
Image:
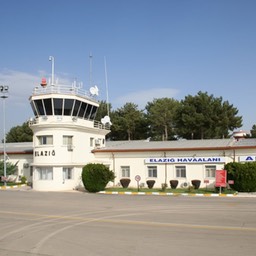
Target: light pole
{"x":4,"y":94}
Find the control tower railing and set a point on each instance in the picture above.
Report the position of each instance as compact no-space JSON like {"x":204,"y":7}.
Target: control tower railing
{"x":64,"y":90}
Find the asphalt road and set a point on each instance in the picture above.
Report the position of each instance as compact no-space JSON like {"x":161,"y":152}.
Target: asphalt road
{"x":77,"y":223}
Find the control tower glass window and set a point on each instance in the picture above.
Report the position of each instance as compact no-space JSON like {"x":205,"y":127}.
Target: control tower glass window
{"x":82,"y":109}
{"x":58,"y":107}
{"x":93,"y":112}
{"x":33,"y":108}
{"x":39,"y":107}
{"x":76,"y":107}
{"x":68,"y":105}
{"x":88,"y":112}
{"x":48,"y":106}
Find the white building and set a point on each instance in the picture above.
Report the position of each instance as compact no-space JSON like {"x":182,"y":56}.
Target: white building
{"x":66,"y":138}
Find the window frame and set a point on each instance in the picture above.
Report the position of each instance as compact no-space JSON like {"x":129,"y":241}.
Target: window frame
{"x":68,"y":173}
{"x":67,"y":140}
{"x":210,"y":171}
{"x":45,"y":173}
{"x":152,"y":171}
{"x":44,"y":140}
{"x":181,"y":171}
{"x":125,"y":171}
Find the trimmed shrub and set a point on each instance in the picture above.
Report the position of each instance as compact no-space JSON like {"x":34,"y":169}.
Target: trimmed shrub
{"x":244,"y":176}
{"x":125,"y":182}
{"x":95,"y":177}
{"x":150,"y":183}
{"x":23,"y":180}
{"x":196,"y":183}
{"x":174,"y":183}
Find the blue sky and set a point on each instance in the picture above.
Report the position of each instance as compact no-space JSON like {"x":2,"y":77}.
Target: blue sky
{"x":153,"y":49}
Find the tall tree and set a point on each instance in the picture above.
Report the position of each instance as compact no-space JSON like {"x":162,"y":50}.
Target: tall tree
{"x":160,"y":115}
{"x":253,"y":131}
{"x":205,"y":117}
{"x":125,"y":122}
{"x":103,"y":110}
{"x":20,"y":133}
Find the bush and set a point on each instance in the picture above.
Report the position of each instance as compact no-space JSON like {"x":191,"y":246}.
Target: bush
{"x":150,"y":183}
{"x":244,"y":176}
{"x":174,"y":183}
{"x":95,"y":177}
{"x":125,"y":182}
{"x":23,"y":180}
{"x":196,"y":183}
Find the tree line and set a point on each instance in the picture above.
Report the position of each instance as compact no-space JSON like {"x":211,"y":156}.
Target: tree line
{"x":202,"y":116}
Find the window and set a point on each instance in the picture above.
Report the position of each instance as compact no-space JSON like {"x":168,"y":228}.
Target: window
{"x":68,"y":105}
{"x":125,"y":171}
{"x":45,"y":173}
{"x":91,"y":142}
{"x":82,"y":109}
{"x":210,"y":171}
{"x":45,"y":140}
{"x":67,"y":173}
{"x":152,"y":171}
{"x":76,"y":107}
{"x":48,"y":106}
{"x":180,"y":171}
{"x":58,"y":106}
{"x":67,"y":140}
{"x":39,"y":107}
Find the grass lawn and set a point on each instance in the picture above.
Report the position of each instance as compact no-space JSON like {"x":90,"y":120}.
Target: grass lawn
{"x":169,"y":190}
{"x":9,"y":184}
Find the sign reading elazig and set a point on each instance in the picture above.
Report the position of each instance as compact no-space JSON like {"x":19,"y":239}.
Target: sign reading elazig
{"x":185,"y":160}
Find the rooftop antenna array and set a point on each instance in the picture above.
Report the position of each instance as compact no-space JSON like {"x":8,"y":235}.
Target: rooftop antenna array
{"x":106,"y":119}
{"x":94,"y":91}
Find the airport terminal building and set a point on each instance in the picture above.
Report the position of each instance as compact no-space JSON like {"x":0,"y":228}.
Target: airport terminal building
{"x":66,"y":137}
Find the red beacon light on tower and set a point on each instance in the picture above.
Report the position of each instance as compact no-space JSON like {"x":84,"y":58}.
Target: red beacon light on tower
{"x":43,"y":82}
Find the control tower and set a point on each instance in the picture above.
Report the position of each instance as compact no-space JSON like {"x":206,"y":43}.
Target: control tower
{"x":64,"y":134}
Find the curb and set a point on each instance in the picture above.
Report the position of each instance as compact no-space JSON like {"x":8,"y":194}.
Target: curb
{"x":10,"y":187}
{"x":165,"y":194}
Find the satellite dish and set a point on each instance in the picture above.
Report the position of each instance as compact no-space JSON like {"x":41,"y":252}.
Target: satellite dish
{"x":106,"y":120}
{"x":94,"y":90}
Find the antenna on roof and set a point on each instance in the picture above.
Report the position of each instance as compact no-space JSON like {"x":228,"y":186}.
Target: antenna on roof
{"x":51,"y":58}
{"x":106,"y":78}
{"x":106,"y":119}
{"x":90,"y":56}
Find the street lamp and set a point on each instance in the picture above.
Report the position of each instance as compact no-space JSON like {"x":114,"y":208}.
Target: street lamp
{"x":4,"y":94}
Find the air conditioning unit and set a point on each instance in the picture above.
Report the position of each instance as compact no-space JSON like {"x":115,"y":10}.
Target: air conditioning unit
{"x":70,"y":147}
{"x":25,"y":165}
{"x":185,"y":184}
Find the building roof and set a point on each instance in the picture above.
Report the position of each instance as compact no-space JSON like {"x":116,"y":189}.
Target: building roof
{"x":178,"y":145}
{"x":146,"y":145}
{"x":17,"y":148}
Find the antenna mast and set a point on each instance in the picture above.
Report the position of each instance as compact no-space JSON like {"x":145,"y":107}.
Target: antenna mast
{"x":106,"y":78}
{"x":90,"y":56}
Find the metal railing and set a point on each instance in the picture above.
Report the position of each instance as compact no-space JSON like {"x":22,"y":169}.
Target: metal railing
{"x":63,"y":89}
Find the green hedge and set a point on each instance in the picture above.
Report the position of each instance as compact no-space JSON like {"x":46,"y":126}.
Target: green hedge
{"x":244,"y":176}
{"x":95,"y":177}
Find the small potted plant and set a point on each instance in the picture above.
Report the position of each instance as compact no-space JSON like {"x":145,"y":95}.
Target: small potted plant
{"x":150,"y":183}
{"x":125,"y":182}
{"x":174,"y":183}
{"x":196,"y":183}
